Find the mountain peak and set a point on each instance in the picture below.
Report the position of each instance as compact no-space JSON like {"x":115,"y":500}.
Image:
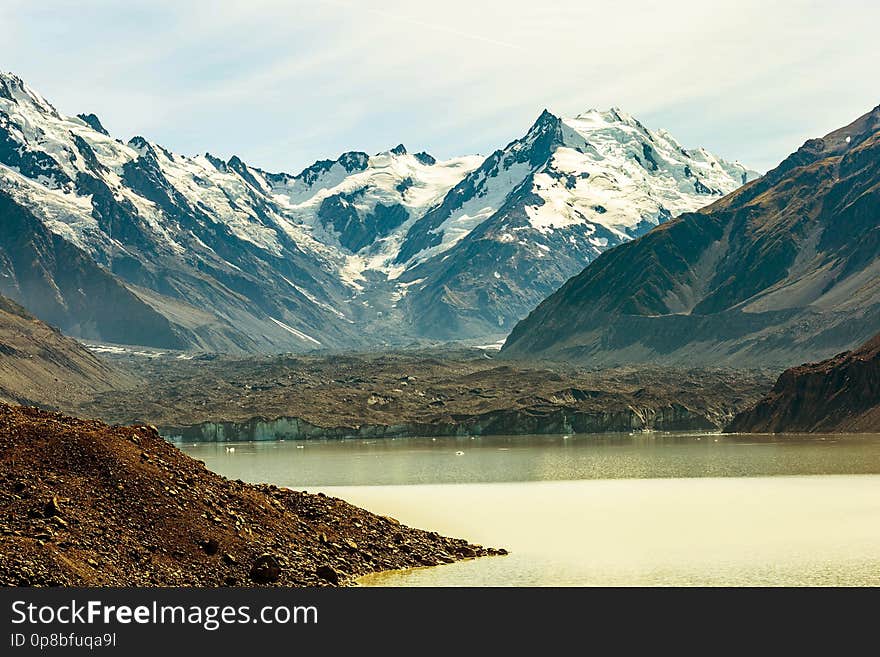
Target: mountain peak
{"x":93,"y":122}
{"x":141,"y":145}
{"x":546,"y":118}
{"x":15,"y":89}
{"x":354,"y":161}
{"x":854,"y":133}
{"x":546,"y":126}
{"x":235,"y":162}
{"x":400,"y":149}
{"x":216,"y":162}
{"x":613,"y":115}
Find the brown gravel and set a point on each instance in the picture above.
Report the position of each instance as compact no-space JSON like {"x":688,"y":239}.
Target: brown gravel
{"x":85,"y":504}
{"x":426,"y":393}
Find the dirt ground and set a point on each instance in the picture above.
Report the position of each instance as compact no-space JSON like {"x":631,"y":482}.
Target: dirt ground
{"x":84,"y":504}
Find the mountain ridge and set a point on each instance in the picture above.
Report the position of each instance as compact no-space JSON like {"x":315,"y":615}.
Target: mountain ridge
{"x":769,"y":274}
{"x":355,"y":251}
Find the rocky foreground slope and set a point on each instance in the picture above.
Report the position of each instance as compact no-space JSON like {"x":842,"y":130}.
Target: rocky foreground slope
{"x":84,"y":504}
{"x":38,"y":365}
{"x":779,"y":272}
{"x":841,"y":394}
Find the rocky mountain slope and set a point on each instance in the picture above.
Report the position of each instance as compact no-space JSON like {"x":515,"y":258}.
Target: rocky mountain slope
{"x":361,"y":250}
{"x":40,"y":366}
{"x":66,"y":288}
{"x":841,"y":394}
{"x":782,"y":271}
{"x":84,"y":504}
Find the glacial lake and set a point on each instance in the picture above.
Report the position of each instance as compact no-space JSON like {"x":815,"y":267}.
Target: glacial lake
{"x":604,"y":510}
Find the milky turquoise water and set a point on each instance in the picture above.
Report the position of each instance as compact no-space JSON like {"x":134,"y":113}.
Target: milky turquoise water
{"x":656,"y":509}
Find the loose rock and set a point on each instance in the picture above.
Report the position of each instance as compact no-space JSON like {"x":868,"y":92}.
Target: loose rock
{"x":266,"y":570}
{"x":90,"y":511}
{"x":52,"y":508}
{"x":328,"y":573}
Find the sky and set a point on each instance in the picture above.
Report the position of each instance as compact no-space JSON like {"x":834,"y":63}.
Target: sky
{"x":284,"y":83}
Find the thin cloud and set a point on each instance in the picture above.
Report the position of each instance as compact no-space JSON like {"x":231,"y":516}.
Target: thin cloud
{"x":432,"y":26}
{"x":286,"y":82}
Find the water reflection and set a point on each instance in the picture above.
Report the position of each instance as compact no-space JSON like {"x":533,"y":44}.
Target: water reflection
{"x":673,"y":509}
{"x":538,"y":458}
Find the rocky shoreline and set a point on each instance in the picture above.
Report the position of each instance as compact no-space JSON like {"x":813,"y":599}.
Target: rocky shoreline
{"x":672,"y":417}
{"x":86,"y":504}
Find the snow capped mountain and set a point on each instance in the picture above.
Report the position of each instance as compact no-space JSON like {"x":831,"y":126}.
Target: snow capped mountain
{"x":204,"y":247}
{"x":233,"y":257}
{"x":541,"y":209}
{"x":781,"y":271}
{"x":364,"y":210}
